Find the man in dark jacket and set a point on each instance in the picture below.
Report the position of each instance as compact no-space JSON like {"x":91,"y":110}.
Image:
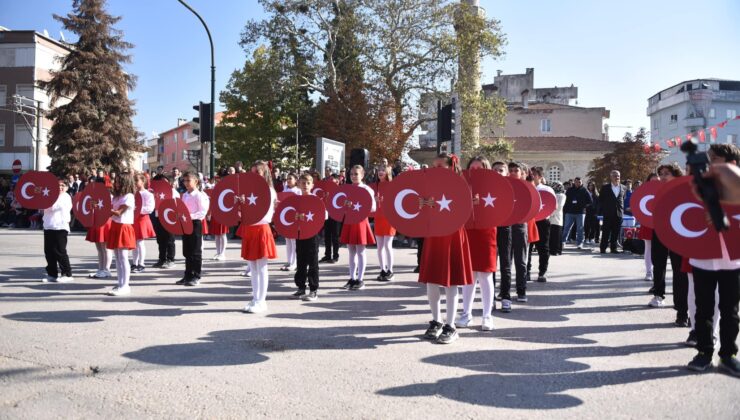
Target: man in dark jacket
{"x":611,"y":200}
{"x":574,"y":211}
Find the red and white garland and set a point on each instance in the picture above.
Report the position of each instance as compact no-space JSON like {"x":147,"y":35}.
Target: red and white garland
{"x":658,"y":145}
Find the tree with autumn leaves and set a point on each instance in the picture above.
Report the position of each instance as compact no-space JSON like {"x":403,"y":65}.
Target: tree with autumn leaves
{"x":92,"y":126}
{"x":632,"y":157}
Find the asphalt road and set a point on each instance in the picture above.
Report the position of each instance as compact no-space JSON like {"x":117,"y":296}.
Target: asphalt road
{"x":585,"y":346}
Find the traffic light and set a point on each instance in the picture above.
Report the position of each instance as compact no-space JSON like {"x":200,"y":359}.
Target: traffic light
{"x":445,"y":124}
{"x":204,"y":121}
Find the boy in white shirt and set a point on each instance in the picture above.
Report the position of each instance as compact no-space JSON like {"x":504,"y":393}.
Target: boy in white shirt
{"x":56,"y":228}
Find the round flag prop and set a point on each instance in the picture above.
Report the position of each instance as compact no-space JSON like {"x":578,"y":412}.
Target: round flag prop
{"x":299,"y":216}
{"x":493,"y":198}
{"x":92,"y":206}
{"x":642,"y":202}
{"x":526,"y":202}
{"x":37,"y":190}
{"x":548,"y":203}
{"x":324,"y":187}
{"x":241,"y":197}
{"x":162,"y":190}
{"x":349,"y":204}
{"x":175,"y":216}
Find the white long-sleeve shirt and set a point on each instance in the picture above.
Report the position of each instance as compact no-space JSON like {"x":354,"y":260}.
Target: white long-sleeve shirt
{"x":197,"y":202}
{"x":57,"y":217}
{"x":147,"y":202}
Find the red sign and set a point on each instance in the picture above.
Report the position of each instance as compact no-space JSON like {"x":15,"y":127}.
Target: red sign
{"x":299,"y":216}
{"x":92,"y":206}
{"x":162,"y":190}
{"x":37,"y":190}
{"x":526,"y":202}
{"x":244,"y":197}
{"x":175,"y":216}
{"x":349,"y":204}
{"x":324,"y":187}
{"x":642,"y":202}
{"x":427,"y":202}
{"x":17,"y":166}
{"x":548,"y":203}
{"x":493,"y":198}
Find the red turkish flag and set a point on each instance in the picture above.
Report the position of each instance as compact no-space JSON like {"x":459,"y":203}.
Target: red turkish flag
{"x":669,"y":142}
{"x":323,"y":187}
{"x":732,"y":236}
{"x":722,"y":124}
{"x":526,"y":202}
{"x":175,"y":216}
{"x":299,"y":216}
{"x":92,"y":206}
{"x":282,"y":196}
{"x":642,"y":202}
{"x":656,"y":146}
{"x":162,"y":190}
{"x":241,"y":197}
{"x":428,"y":202}
{"x":702,"y":136}
{"x":349,"y":204}
{"x":646,"y":148}
{"x":688,"y":137}
{"x":37,"y":190}
{"x":712,"y":134}
{"x":548,"y":203}
{"x":495,"y":198}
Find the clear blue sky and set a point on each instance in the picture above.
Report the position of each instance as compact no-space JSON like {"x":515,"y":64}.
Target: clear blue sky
{"x":617,"y":53}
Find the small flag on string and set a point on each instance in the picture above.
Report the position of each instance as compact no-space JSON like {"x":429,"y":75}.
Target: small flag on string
{"x":702,"y":136}
{"x":722,"y":124}
{"x":669,"y":142}
{"x":656,"y":147}
{"x":646,"y":148}
{"x":678,"y":140}
{"x":688,"y":137}
{"x":712,"y":134}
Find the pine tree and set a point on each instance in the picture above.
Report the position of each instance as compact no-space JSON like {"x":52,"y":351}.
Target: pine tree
{"x":94,"y":129}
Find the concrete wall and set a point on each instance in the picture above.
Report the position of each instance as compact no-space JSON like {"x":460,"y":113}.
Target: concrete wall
{"x":578,"y":122}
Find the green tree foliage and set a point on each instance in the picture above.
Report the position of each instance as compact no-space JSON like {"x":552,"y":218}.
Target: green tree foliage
{"x":94,"y":128}
{"x":629,"y":157}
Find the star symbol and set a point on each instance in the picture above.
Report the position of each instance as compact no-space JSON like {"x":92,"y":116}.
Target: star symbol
{"x":542,"y":206}
{"x":161,"y":196}
{"x":184,"y":219}
{"x":309,"y":216}
{"x":252,"y":199}
{"x":45,"y":191}
{"x":489,"y":200}
{"x":356,"y":207}
{"x":444,"y":203}
{"x":100,"y":204}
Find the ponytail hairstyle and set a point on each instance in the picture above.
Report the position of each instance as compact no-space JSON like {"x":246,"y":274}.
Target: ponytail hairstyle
{"x":484,"y":162}
{"x":452,"y":161}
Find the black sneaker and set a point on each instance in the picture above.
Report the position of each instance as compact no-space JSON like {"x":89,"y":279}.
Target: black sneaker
{"x":701,"y":363}
{"x":730,"y":365}
{"x":358,"y":285}
{"x":691,"y":341}
{"x":449,"y":334}
{"x":388,"y":276}
{"x":416,"y":270}
{"x":299,"y":294}
{"x":349,"y":284}
{"x":682,"y":322}
{"x":381,"y":276}
{"x":159,"y":264}
{"x":182,"y":281}
{"x":651,"y":291}
{"x":193,"y":282}
{"x":325,"y":259}
{"x":310,"y":297}
{"x":334,"y":260}
{"x":541,"y":279}
{"x":434,"y":330}
{"x":499,"y":298}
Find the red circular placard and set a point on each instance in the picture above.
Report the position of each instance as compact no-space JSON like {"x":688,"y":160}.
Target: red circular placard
{"x":495,"y":198}
{"x":241,"y":197}
{"x":37,"y":190}
{"x":548,"y":203}
{"x":524,"y":202}
{"x":92,"y":206}
{"x":175,"y":216}
{"x":299,"y":216}
{"x":324,"y":187}
{"x":642,"y":202}
{"x":349,"y":204}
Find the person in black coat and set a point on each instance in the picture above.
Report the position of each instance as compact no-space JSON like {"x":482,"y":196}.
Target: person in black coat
{"x":577,"y":200}
{"x":611,"y":200}
{"x":591,"y":225}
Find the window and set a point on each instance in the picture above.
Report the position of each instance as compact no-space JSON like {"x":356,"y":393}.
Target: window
{"x":656,"y":123}
{"x":185,"y":134}
{"x":24,"y":90}
{"x":712,"y":113}
{"x":16,"y":56}
{"x":732,"y":139}
{"x":3,"y":95}
{"x":545,"y":125}
{"x":175,"y":137}
{"x":2,"y":135}
{"x":731,"y":114}
{"x":553,"y":174}
{"x":674,"y":119}
{"x":173,"y":156}
{"x":22,"y":136}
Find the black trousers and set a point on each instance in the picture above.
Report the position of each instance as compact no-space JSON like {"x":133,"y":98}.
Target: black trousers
{"x":610,"y":233}
{"x":556,"y":246}
{"x":591,"y":226}
{"x":165,"y":241}
{"x":192,"y":250}
{"x":55,"y":251}
{"x":503,"y":245}
{"x":419,"y":248}
{"x":331,"y":239}
{"x":307,"y":260}
{"x":660,"y":255}
{"x":705,"y":282}
{"x":542,"y":246}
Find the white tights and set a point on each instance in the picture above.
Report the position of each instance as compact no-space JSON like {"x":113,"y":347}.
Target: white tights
{"x":692,"y":307}
{"x":290,"y":247}
{"x":259,"y":279}
{"x":105,"y":256}
{"x":221,"y":241}
{"x":485,"y":280}
{"x":385,"y":252}
{"x":435,"y":298}
{"x":357,"y":261}
{"x":139,"y":254}
{"x":123,"y":269}
{"x":648,"y":259}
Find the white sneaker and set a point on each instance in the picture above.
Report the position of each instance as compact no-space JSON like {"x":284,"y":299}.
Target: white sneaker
{"x":220,"y":257}
{"x":649,"y":277}
{"x":64,"y":279}
{"x":49,"y":279}
{"x":258,"y":308}
{"x":246,"y":273}
{"x":656,"y":302}
{"x":120,"y":291}
{"x":464,"y":321}
{"x":248,"y":307}
{"x":579,"y":246}
{"x":487,"y":323}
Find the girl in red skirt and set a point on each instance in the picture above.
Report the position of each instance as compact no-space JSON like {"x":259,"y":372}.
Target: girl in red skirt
{"x":358,"y":236}
{"x":258,"y":245}
{"x":143,"y":228}
{"x":384,"y":232}
{"x":99,"y":236}
{"x":445,"y":262}
{"x":122,"y":237}
{"x":483,"y":258}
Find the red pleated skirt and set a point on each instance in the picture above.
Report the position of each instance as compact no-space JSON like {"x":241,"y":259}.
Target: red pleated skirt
{"x":99,"y":234}
{"x":382,"y":226}
{"x":358,"y":234}
{"x":143,"y":228}
{"x":533,"y":234}
{"x":258,"y":243}
{"x":482,"y":249}
{"x":121,"y":236}
{"x":445,"y":260}
{"x":216,"y":228}
{"x":645,"y":233}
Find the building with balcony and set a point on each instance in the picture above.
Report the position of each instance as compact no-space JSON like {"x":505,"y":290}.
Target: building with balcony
{"x":691,"y":106}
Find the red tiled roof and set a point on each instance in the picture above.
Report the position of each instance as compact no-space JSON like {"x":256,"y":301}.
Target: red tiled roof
{"x":558,"y":144}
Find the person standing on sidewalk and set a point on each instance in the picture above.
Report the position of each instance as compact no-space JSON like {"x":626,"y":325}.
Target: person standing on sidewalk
{"x":56,"y":228}
{"x":612,"y":208}
{"x":543,"y":226}
{"x":576,"y":202}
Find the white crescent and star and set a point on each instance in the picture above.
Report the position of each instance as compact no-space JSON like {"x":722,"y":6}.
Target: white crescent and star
{"x":677,"y":222}
{"x":23,"y":190}
{"x":398,"y":204}
{"x":643,"y":205}
{"x":252,"y":199}
{"x":100,"y":204}
{"x":221,"y":200}
{"x":167,"y":219}
{"x":84,"y":205}
{"x":282,"y":215}
{"x":444,"y":203}
{"x":334,"y":200}
{"x":309,"y":216}
{"x":356,"y":206}
{"x":161,"y":196}
{"x":488,"y":199}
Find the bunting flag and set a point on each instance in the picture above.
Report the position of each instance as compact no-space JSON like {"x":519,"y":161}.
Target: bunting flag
{"x":700,"y":134}
{"x":723,"y":124}
{"x":712,"y":134}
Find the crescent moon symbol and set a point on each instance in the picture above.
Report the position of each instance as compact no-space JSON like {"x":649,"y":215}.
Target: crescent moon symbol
{"x":677,"y":223}
{"x":167,"y":219}
{"x":23,"y":190}
{"x":316,"y":191}
{"x":643,"y":205}
{"x":398,"y":204}
{"x":84,"y":205}
{"x":221,"y":200}
{"x":334,"y":200}
{"x":282,"y":216}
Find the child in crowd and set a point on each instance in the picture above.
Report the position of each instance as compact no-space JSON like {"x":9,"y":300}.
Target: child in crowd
{"x":307,"y":250}
{"x":122,"y":238}
{"x":56,"y":228}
